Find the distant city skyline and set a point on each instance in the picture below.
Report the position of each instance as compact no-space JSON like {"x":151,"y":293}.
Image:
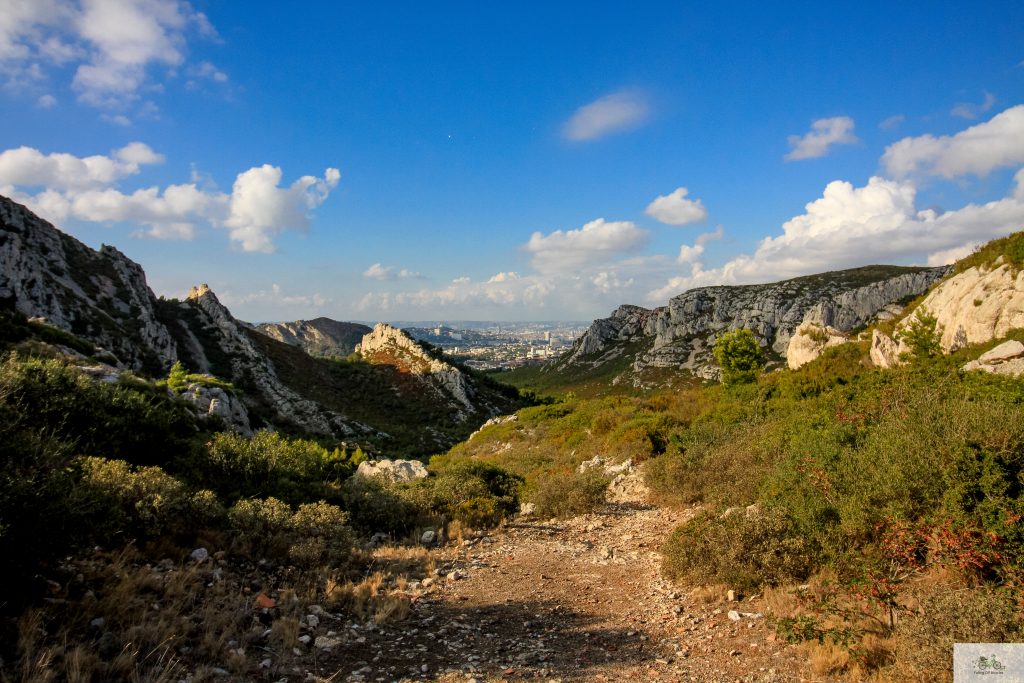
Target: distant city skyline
{"x":510,"y":162}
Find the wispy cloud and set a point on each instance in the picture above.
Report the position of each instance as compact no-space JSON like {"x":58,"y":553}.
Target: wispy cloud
{"x":381,"y":272}
{"x":893,"y":122}
{"x":824,"y":134}
{"x":614,"y":113}
{"x":971,"y":110}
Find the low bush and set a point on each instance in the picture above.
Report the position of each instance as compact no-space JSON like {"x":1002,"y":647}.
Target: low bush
{"x":744,"y":550}
{"x":564,"y":494}
{"x":376,"y":507}
{"x":941,"y":616}
{"x":314,"y":535}
{"x":269,"y":464}
{"x":473,"y":493}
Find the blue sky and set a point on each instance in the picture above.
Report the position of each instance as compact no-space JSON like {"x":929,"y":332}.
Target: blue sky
{"x":505,"y":161}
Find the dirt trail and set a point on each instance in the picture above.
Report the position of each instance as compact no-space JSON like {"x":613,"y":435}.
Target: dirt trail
{"x":576,"y":600}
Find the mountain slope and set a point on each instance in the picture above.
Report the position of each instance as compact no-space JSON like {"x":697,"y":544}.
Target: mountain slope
{"x":102,"y":297}
{"x":635,"y":343}
{"x":318,"y":337}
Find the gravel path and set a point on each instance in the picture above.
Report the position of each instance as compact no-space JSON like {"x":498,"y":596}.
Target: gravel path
{"x":576,"y":600}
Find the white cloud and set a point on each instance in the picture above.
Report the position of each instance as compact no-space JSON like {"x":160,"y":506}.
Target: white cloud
{"x":610,"y":114}
{"x":676,"y":209}
{"x":260,"y":209}
{"x":824,"y":133}
{"x":84,"y":188}
{"x":853,"y":226}
{"x":46,"y":102}
{"x":969,"y":110}
{"x":381,"y":272}
{"x":893,"y":122}
{"x":996,"y":143}
{"x":26,"y":166}
{"x":945,"y":257}
{"x":596,"y":242}
{"x":112,"y":43}
{"x":609,"y":281}
{"x":690,"y":254}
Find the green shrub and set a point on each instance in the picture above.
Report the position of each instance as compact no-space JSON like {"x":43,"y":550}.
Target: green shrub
{"x":743,"y":550}
{"x":261,"y":526}
{"x":314,"y":535}
{"x":375,"y":507}
{"x":148,"y":498}
{"x":739,"y":355}
{"x":564,"y":494}
{"x":922,"y":335}
{"x":268,"y":464}
{"x":475,"y":493}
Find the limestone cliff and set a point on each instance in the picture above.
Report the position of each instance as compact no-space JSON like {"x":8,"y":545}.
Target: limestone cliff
{"x":682,"y":334}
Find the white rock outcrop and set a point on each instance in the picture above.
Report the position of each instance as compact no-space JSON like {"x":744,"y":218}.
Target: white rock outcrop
{"x":976,"y":306}
{"x":392,"y":471}
{"x":1005,"y":359}
{"x":885,"y":353}
{"x":391,"y":345}
{"x":208,"y":401}
{"x":809,"y":340}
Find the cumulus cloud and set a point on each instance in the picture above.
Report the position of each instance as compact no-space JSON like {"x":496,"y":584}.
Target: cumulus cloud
{"x":60,"y":186}
{"x":612,"y":113}
{"x":851,"y":226}
{"x":379,"y":271}
{"x":260,"y":209}
{"x":676,"y":209}
{"x":824,"y":134}
{"x":26,"y":166}
{"x":113,"y":42}
{"x":596,"y":242}
{"x":970,"y":110}
{"x":46,"y":102}
{"x":996,"y":143}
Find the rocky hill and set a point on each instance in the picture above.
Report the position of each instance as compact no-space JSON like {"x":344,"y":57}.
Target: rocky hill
{"x":635,"y":342}
{"x":318,"y":337}
{"x":102,"y":297}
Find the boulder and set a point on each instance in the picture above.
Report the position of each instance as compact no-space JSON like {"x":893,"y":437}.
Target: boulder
{"x":884,"y":351}
{"x":393,"y":471}
{"x":809,"y":340}
{"x":1005,"y":359}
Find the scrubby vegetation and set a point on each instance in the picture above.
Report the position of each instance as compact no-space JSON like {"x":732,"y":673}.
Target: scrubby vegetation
{"x":124,"y":471}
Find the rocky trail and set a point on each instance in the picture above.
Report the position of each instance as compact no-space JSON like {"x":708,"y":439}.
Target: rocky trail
{"x":575,"y":600}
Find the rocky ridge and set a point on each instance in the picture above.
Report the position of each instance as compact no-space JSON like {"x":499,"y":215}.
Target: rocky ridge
{"x":682,"y":334}
{"x":318,"y":337}
{"x":99,"y":295}
{"x":392,"y":346}
{"x":102,"y":297}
